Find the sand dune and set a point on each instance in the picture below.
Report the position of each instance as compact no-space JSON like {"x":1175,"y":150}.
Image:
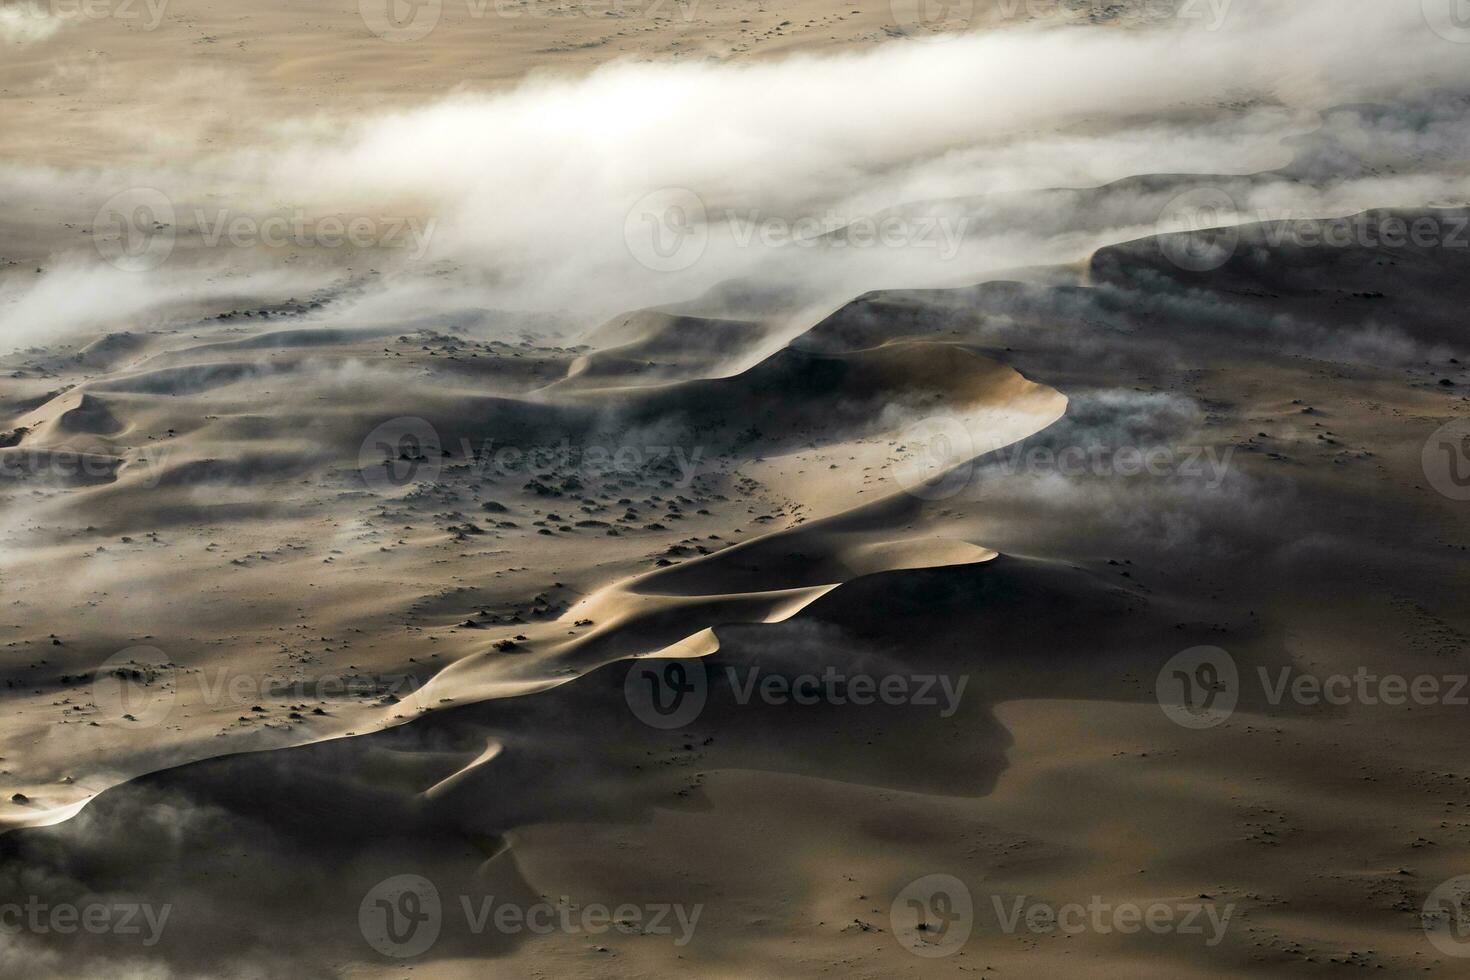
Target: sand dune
{"x":1116,"y":579}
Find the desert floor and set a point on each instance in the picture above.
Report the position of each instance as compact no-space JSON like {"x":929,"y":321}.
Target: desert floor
{"x":312,"y":580}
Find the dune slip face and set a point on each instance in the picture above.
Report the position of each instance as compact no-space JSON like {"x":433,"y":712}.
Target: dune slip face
{"x":648,"y":490}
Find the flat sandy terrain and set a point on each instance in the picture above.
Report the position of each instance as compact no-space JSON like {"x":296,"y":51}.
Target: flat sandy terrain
{"x":734,"y":490}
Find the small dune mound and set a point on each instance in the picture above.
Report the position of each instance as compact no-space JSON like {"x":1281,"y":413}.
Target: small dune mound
{"x":651,"y":344}
{"x":108,"y":352}
{"x":91,"y":416}
{"x":56,"y":467}
{"x":1406,"y":267}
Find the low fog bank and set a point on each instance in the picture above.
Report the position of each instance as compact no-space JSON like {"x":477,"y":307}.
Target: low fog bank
{"x":625,"y":188}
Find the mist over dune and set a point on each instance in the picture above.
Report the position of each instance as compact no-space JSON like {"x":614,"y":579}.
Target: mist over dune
{"x":546,"y":194}
{"x":618,"y":489}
